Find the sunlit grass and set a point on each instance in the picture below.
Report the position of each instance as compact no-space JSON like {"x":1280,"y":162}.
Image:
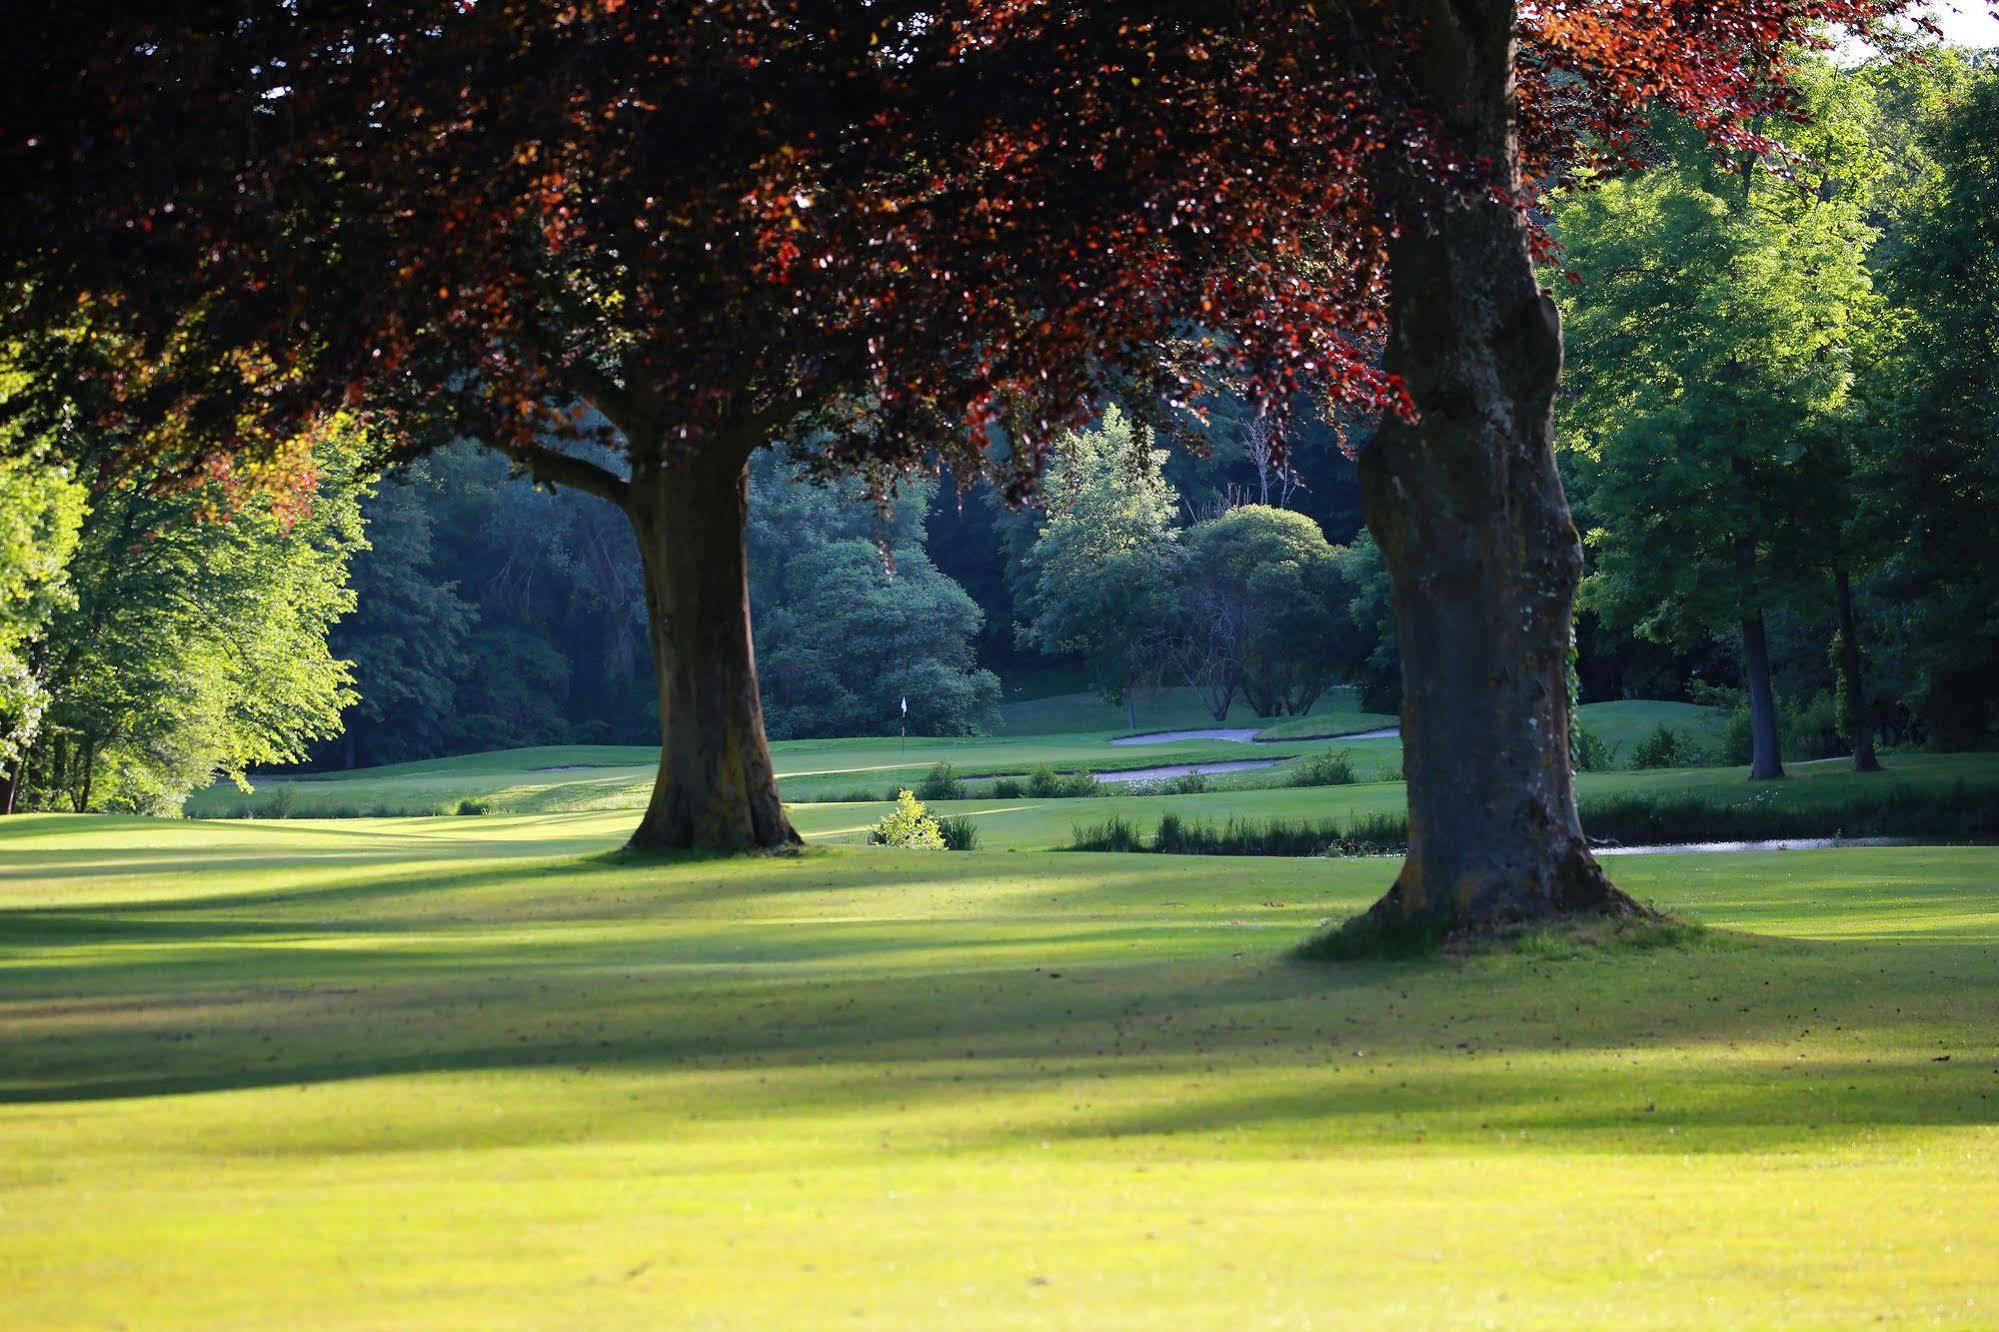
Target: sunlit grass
{"x":455,"y":1072}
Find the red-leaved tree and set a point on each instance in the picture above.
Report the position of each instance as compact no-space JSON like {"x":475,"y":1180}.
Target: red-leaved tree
{"x":886,"y":233}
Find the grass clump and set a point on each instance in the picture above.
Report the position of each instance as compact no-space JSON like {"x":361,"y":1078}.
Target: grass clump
{"x":959,"y":833}
{"x":471,"y":807}
{"x":940,"y":783}
{"x":1328,"y":767}
{"x":1116,"y":833}
{"x":1007,"y":788}
{"x":908,"y":827}
{"x":1177,"y":836}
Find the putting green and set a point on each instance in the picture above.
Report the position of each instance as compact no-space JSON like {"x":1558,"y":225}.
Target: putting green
{"x":467,"y":1073}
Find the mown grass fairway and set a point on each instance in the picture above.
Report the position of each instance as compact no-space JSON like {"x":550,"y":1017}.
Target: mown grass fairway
{"x":469,"y":1073}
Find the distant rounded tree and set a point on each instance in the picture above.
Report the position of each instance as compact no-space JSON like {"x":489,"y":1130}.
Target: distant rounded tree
{"x":1273,"y":575}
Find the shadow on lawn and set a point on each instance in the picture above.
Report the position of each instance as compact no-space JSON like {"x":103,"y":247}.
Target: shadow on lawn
{"x":850,"y":1016}
{"x":1141,"y":1021}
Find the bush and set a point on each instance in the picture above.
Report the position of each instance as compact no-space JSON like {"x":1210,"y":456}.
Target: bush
{"x":940,"y":783}
{"x":1192,"y":783}
{"x":959,"y":833}
{"x":860,"y":795}
{"x":1007,"y":788}
{"x":909,"y":827}
{"x":1665,"y":748}
{"x":1326,"y":768}
{"x":1393,"y":774}
{"x":1044,"y":783}
{"x":1590,"y":753}
{"x":1077,"y":784}
{"x":1811,"y":729}
{"x":470,"y":807}
{"x":1113,"y":834}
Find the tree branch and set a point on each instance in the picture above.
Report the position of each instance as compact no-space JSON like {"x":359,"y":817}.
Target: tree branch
{"x":560,"y":469}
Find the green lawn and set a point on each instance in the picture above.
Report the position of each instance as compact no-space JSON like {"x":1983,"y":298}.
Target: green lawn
{"x":1623,"y":726}
{"x":582,"y":778}
{"x":466,"y":1073}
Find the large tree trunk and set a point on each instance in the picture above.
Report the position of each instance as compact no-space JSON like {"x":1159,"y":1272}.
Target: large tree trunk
{"x":716,"y":788}
{"x":1483,"y":558}
{"x":1766,"y":758}
{"x":1859,"y":716}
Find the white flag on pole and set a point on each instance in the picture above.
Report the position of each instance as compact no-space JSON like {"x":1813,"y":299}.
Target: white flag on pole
{"x":905,"y":705}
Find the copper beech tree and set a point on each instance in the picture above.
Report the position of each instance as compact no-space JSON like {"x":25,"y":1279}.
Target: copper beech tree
{"x":888,"y":233}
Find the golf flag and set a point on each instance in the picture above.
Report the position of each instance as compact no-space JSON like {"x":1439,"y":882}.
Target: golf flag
{"x":905,"y":705}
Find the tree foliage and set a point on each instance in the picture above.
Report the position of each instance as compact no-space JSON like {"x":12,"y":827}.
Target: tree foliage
{"x":1933,"y":465}
{"x":852,"y":618}
{"x":192,"y":644}
{"x":1105,"y":563}
{"x":1276,"y":584}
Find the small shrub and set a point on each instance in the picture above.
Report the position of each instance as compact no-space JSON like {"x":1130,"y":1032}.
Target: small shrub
{"x":1664,"y":748}
{"x":909,"y":826}
{"x":1114,"y":834}
{"x":1393,"y":774}
{"x":1328,"y":767}
{"x":1738,"y":737}
{"x":940,"y":783}
{"x":1044,"y":783}
{"x":1077,"y":784}
{"x":1590,"y":753}
{"x":860,"y":795}
{"x":1811,"y":729}
{"x":959,"y":833}
{"x":1192,"y":783}
{"x":1007,"y":788}
{"x":470,"y":807}
{"x":282,"y":802}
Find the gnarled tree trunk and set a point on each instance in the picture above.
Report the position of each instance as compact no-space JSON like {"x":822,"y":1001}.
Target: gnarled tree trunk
{"x":716,"y":788}
{"x":1482,"y":556}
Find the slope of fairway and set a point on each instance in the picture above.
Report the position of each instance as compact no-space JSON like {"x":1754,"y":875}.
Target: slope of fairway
{"x":471,"y":1073}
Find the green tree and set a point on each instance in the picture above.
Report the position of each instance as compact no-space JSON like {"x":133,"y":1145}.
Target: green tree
{"x":1106,"y":559}
{"x":1932,"y":467}
{"x":196,"y":642}
{"x":852,"y":617}
{"x":1377,"y":671}
{"x":40,"y":511}
{"x":1276,"y":582}
{"x":1712,"y":330}
{"x":406,"y":636}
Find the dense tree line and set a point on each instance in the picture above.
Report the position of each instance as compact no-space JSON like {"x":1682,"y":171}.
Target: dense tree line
{"x":1778,"y":425}
{"x":152,"y":639}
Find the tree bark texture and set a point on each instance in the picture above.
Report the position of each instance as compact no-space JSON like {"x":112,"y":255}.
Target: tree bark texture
{"x":1483,"y":557}
{"x":1860,"y":715}
{"x":716,"y":788}
{"x":1766,"y":755}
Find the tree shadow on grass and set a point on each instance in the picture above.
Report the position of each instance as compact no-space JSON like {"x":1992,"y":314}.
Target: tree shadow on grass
{"x":854,"y":1016}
